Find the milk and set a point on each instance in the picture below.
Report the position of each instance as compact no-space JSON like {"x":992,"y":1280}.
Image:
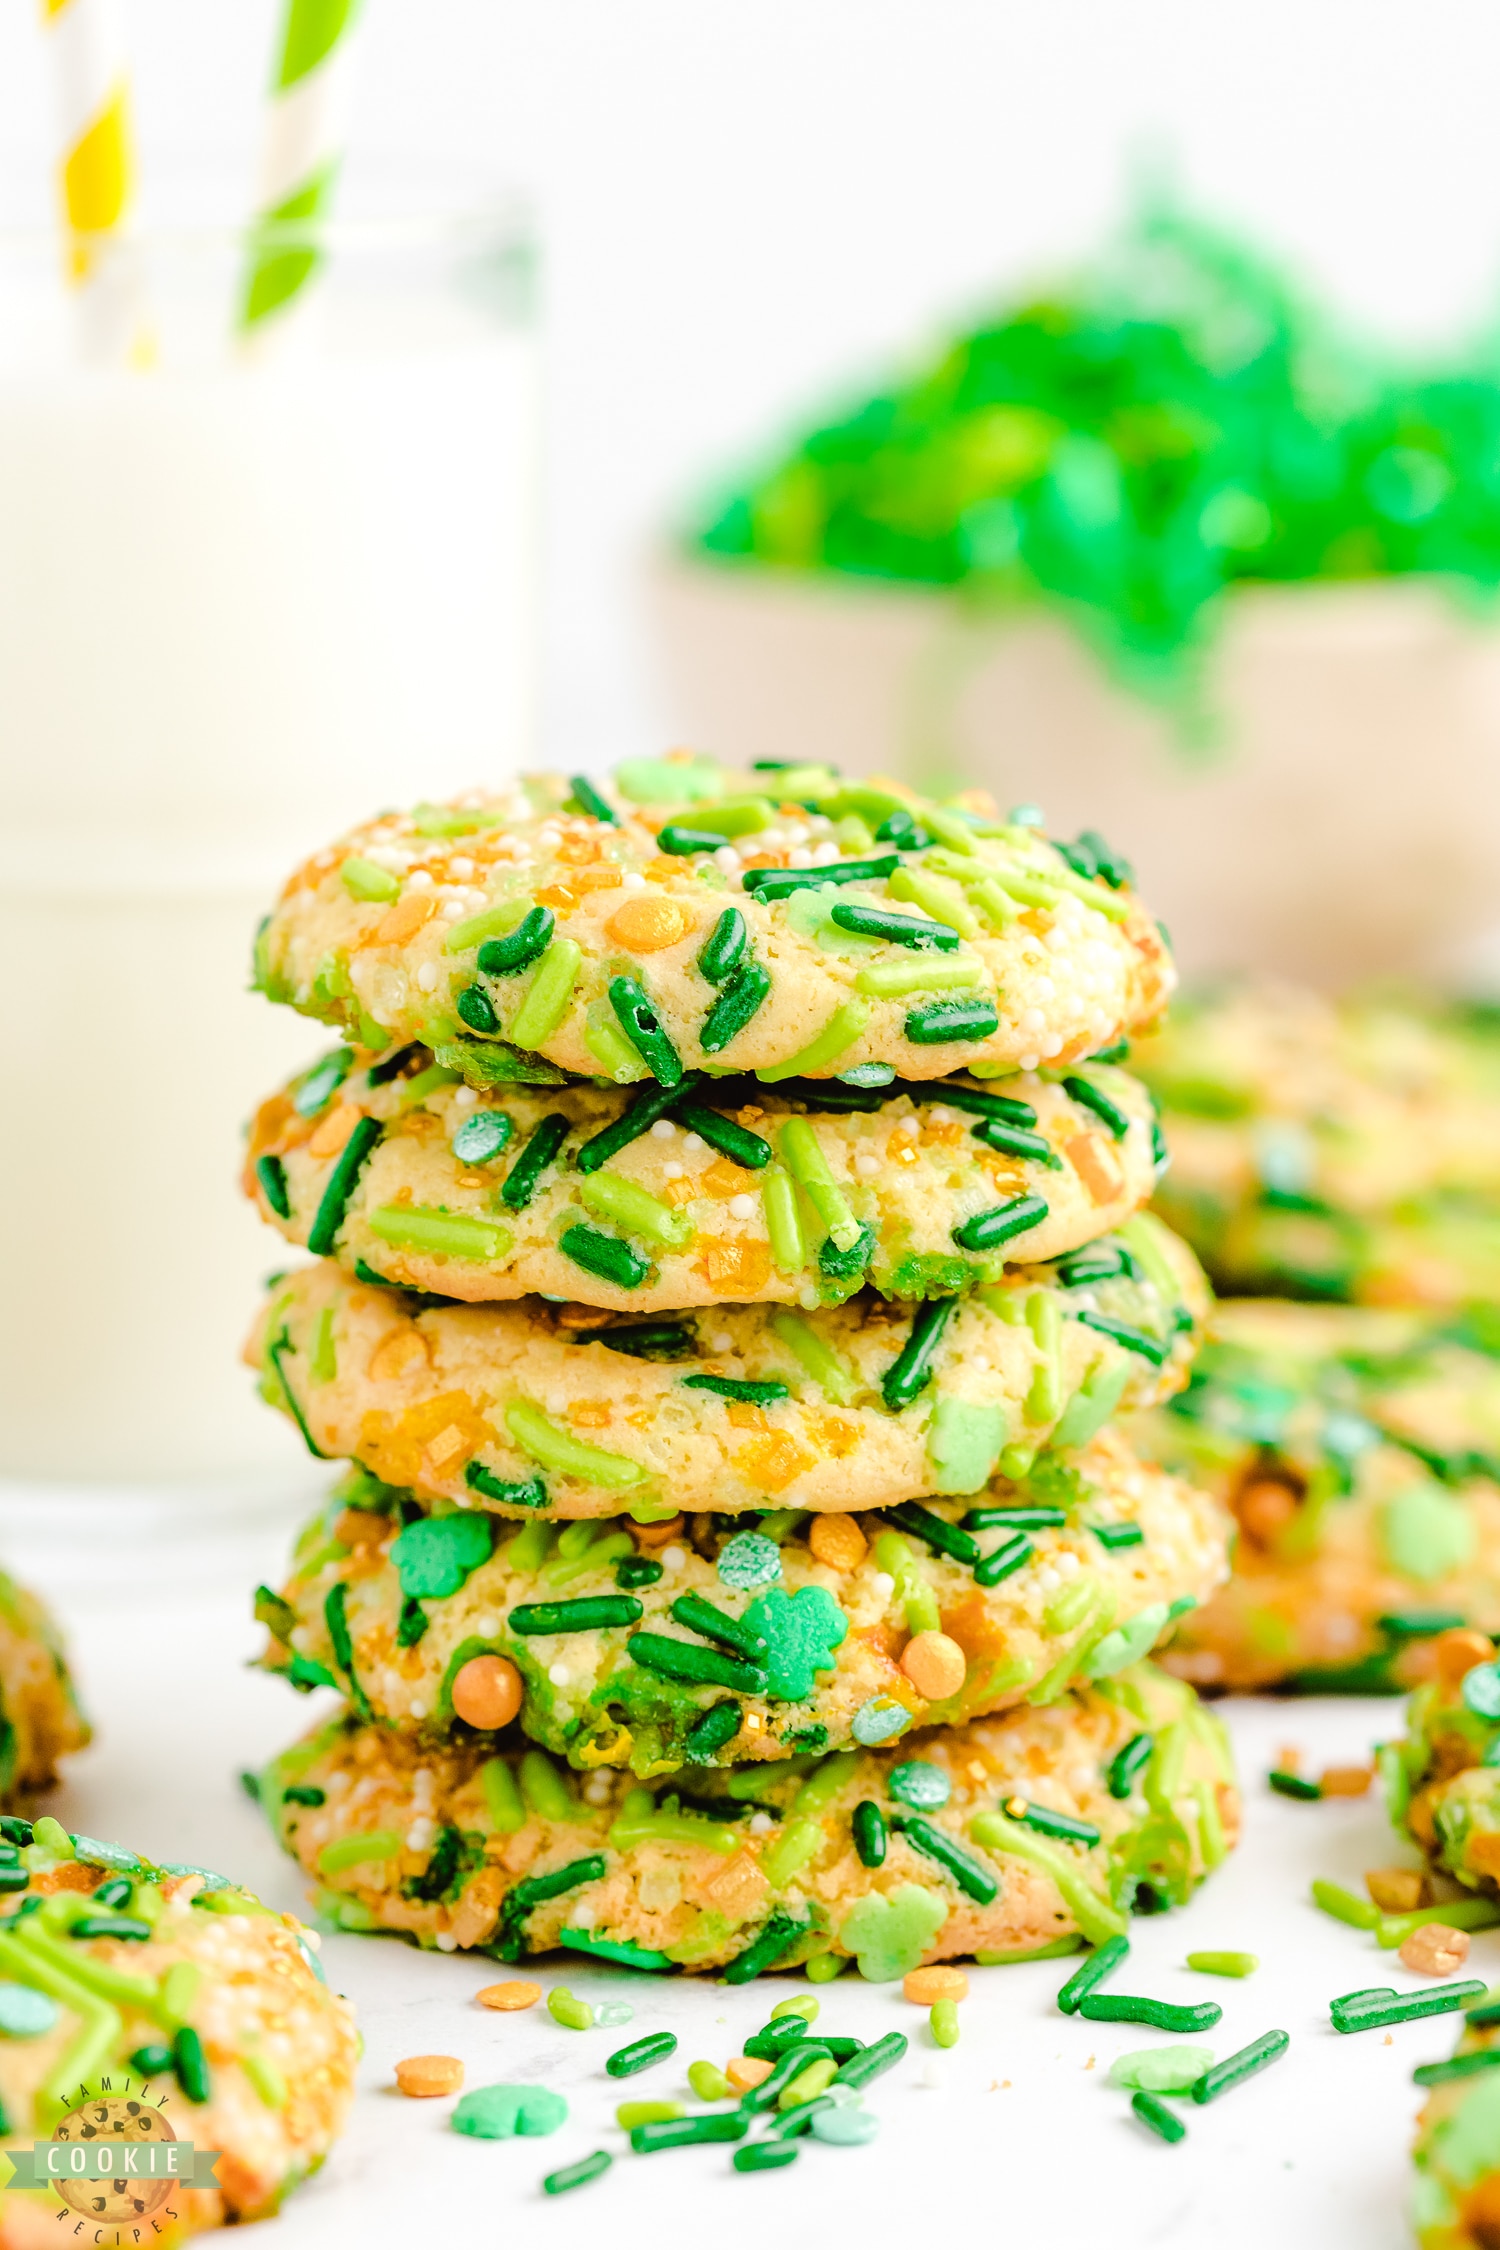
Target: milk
{"x":241,"y":606}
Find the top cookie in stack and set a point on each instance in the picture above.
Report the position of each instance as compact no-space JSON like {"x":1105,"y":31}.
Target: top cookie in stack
{"x":721,"y":1156}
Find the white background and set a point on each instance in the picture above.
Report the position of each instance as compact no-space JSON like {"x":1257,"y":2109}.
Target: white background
{"x":746,"y":206}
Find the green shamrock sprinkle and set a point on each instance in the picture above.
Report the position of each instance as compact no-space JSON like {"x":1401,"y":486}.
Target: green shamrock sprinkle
{"x":435,"y":1554}
{"x":499,"y":2113}
{"x":889,"y":1936}
{"x":801,"y":1632}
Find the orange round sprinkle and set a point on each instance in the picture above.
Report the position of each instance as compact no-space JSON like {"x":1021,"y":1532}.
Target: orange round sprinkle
{"x":927,"y":1986}
{"x":520,"y":1992}
{"x":934,"y":1664}
{"x":487,"y":1692}
{"x":837,"y":1541}
{"x":657,"y":1534}
{"x":645,"y":925}
{"x":423,"y":2076}
{"x":745,"y":2071}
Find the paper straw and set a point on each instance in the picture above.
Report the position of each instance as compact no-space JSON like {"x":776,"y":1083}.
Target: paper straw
{"x":96,"y":174}
{"x":300,"y":159}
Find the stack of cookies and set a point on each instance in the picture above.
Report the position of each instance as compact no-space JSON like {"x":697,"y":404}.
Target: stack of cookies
{"x":729,"y":1261}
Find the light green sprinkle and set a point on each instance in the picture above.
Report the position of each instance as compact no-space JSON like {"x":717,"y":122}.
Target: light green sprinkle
{"x":783,"y":1220}
{"x":1224,"y":1964}
{"x":808,"y":2084}
{"x":440,"y":1234}
{"x":371,"y":885}
{"x":794,"y":1846}
{"x":608,"y":1045}
{"x":609,"y":1196}
{"x":822,"y":1968}
{"x":560,"y":1451}
{"x":1070,"y":1604}
{"x":887,"y":980}
{"x":942,"y":2021}
{"x":841,"y":1030}
{"x":647,"y":2113}
{"x":1095,"y":1916}
{"x":428,"y":1081}
{"x":323,"y":1359}
{"x":546,"y":1003}
{"x":502,"y":1799}
{"x":357,"y":1851}
{"x":816,"y":1357}
{"x":943,"y":900}
{"x":544,"y":1789}
{"x":708,"y":2081}
{"x":575,"y":2015}
{"x":52,"y":1836}
{"x":492,"y":922}
{"x":803,"y":2004}
{"x":802,"y":1153}
{"x":1044,"y":1319}
{"x":264,"y":2077}
{"x":1161,"y":2070}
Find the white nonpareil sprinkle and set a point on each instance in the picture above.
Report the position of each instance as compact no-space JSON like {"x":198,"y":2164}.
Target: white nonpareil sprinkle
{"x":728,"y":858}
{"x":934,"y":2077}
{"x":460,"y":869}
{"x":1066,"y":1562}
{"x":446,"y":1942}
{"x":419,"y":1836}
{"x":464,"y":1097}
{"x":1049,"y":1579}
{"x":663,"y":1129}
{"x":672,"y":1170}
{"x":418,"y":1707}
{"x":882,"y":1585}
{"x":558,"y":1673}
{"x":420,"y":879}
{"x":427,"y":977}
{"x":741,"y":1206}
{"x":582,"y":1917}
{"x":759,"y":1823}
{"x":1029,"y":1062}
{"x":906,"y":1125}
{"x":695,"y":1141}
{"x":486,"y":1627}
{"x":673,"y":1558}
{"x":723,"y":1341}
{"x":866,"y":1166}
{"x":633,"y":881}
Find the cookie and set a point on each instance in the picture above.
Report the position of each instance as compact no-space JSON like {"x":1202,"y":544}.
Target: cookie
{"x":1012,"y":1836}
{"x":679,"y":917}
{"x":1442,"y":1783}
{"x":191,"y":2009}
{"x":524,"y":1406}
{"x":40,"y":1720}
{"x":1344,"y":1151}
{"x":722,"y":1645}
{"x":1357,"y":1451}
{"x":1456,"y":2193}
{"x":737,"y":1192}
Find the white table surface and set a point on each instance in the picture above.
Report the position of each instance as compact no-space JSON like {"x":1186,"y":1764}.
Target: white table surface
{"x":1013,"y":2136}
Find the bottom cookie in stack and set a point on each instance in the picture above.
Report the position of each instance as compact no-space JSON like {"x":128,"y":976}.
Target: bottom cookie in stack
{"x":1008,"y":1839}
{"x":40,"y":1719}
{"x":1456,"y":2201}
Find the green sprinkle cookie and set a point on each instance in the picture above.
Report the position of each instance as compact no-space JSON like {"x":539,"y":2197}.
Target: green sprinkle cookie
{"x":583,"y":1413}
{"x":1456,"y":2194}
{"x":741,"y":1871}
{"x":550,"y":927}
{"x":657,"y":1655}
{"x":40,"y":1720}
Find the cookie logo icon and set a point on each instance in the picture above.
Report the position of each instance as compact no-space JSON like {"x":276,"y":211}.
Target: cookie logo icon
{"x":118,"y":2198}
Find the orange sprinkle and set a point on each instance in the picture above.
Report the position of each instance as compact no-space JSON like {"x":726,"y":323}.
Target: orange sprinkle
{"x":926,"y":1986}
{"x":423,"y":2076}
{"x":519,"y":1992}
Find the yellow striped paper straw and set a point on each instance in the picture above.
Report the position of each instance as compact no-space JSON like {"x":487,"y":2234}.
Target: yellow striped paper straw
{"x":97,"y":172}
{"x":300,"y":159}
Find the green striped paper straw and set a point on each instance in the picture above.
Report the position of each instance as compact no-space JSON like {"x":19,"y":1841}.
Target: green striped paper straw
{"x":300,"y":160}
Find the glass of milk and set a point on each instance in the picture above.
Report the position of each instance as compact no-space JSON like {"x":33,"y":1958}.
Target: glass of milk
{"x":246,"y":599}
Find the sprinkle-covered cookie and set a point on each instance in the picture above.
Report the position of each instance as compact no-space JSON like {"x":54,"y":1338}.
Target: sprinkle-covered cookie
{"x":717,"y":1190}
{"x":613,"y":1644}
{"x":1011,"y":1838}
{"x":515,"y":1408}
{"x":679,"y":917}
{"x":40,"y":1720}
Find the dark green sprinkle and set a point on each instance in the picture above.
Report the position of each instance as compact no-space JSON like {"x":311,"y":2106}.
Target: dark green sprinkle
{"x":276,"y":1351}
{"x":1097,"y":1261}
{"x":687,"y":2132}
{"x":724,"y":947}
{"x":914,"y":930}
{"x":843,"y":1265}
{"x":624,"y":1952}
{"x":538,"y":1151}
{"x":988,"y":1229}
{"x":1293,"y":1785}
{"x":1127,"y":1765}
{"x":722,"y":1133}
{"x":644,"y":1110}
{"x":637,"y":1570}
{"x":1001,"y":1561}
{"x":707,"y":1736}
{"x":937,"y":1023}
{"x":974,"y":1879}
{"x":641,"y":2054}
{"x":678,"y":839}
{"x":792,"y":2123}
{"x":770,"y":2155}
{"x":586,"y":795}
{"x":701,"y":1616}
{"x":644,"y":1339}
{"x":1130,"y":1339}
{"x":14,"y":1829}
{"x":1088,"y":1096}
{"x":780,"y":882}
{"x":1164,"y":2122}
{"x":1003,"y":1108}
{"x":870,"y":1838}
{"x":437,"y":1877}
{"x":947,"y":1538}
{"x":527,"y":942}
{"x":763,"y":1951}
{"x":191,"y":2064}
{"x":881,"y":2055}
{"x":1113,"y":1535}
{"x":1118,"y":1053}
{"x":473,"y":1005}
{"x":605,"y":1255}
{"x":322,"y":1082}
{"x":299,"y":1793}
{"x":1237,"y":2067}
{"x":1161,"y":1155}
{"x":1458,"y":2066}
{"x":835,"y":1094}
{"x":337,"y":1622}
{"x":532,"y":1493}
{"x":725,"y":1386}
{"x":522,"y":1898}
{"x":1419,"y":1624}
{"x":577,"y":2175}
{"x":1115,"y":869}
{"x":637,"y":1019}
{"x":1046,"y":1822}
{"x":109,"y":1925}
{"x":482,"y":1137}
{"x":390,"y":1066}
{"x":790,"y":2066}
{"x":330,"y":1214}
{"x":1028,"y":1517}
{"x":1161,"y":2015}
{"x":372,"y":1280}
{"x":693,"y":1666}
{"x":736,"y":1004}
{"x":593,"y":1614}
{"x":772,"y":2040}
{"x":151,"y":2060}
{"x":1354,"y":2014}
{"x":13,"y":1879}
{"x":910,"y":1373}
{"x":1101,"y":1963}
{"x":901,"y":828}
{"x":119,"y":1890}
{"x":271,"y":1173}
{"x":1483,"y":2019}
{"x":250,"y":1783}
{"x":1016,"y":1140}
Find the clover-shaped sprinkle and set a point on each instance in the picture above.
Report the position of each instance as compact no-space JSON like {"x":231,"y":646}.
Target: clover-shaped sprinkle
{"x":801,"y":1632}
{"x":499,"y":2113}
{"x":434,"y":1555}
{"x":748,"y":1560}
{"x":924,"y":1787}
{"x":889,"y":1936}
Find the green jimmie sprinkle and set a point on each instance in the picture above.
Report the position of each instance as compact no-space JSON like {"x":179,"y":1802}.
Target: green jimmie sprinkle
{"x":356,"y":1152}
{"x":911,"y":1371}
{"x":725,"y":947}
{"x":637,"y":1019}
{"x":739,"y":1000}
